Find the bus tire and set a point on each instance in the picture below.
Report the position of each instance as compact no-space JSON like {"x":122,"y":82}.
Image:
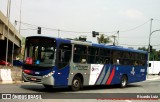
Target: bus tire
{"x":76,"y":83}
{"x":123,"y":82}
{"x":48,"y":86}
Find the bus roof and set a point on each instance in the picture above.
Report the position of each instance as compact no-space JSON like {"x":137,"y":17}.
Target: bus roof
{"x":119,"y":48}
{"x":94,"y":44}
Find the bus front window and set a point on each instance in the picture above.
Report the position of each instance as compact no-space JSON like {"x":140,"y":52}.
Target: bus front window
{"x":40,"y":55}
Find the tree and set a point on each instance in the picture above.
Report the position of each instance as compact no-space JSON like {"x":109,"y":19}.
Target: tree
{"x":23,"y":41}
{"x":154,"y":55}
{"x":143,"y":48}
{"x":81,"y":38}
{"x":76,"y":39}
{"x":103,"y":40}
{"x":21,"y":55}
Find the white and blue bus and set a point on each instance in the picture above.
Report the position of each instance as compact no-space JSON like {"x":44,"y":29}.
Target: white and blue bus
{"x":56,"y":62}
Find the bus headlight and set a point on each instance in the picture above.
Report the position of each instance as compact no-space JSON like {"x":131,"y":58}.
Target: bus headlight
{"x":49,"y":74}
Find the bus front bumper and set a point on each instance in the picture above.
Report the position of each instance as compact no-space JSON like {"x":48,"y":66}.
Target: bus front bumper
{"x":38,"y":79}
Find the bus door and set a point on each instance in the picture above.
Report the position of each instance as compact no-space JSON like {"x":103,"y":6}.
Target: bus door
{"x":63,"y":58}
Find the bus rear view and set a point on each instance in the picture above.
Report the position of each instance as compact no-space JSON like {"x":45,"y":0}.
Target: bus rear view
{"x":39,"y":60}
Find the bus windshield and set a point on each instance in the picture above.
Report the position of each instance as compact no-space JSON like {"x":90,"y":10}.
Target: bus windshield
{"x":40,"y":52}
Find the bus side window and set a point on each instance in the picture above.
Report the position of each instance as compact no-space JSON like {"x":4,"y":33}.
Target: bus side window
{"x":104,"y":56}
{"x":64,"y":55}
{"x":51,"y":56}
{"x":107,"y":61}
{"x":80,"y":54}
{"x":92,"y":54}
{"x":135,"y":63}
{"x":116,"y":57}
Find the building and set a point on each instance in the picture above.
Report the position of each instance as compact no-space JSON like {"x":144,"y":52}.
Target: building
{"x":13,"y":38}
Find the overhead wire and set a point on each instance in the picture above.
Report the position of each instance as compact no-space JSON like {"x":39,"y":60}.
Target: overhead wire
{"x":85,"y":32}
{"x":134,"y":28}
{"x":157,"y":20}
{"x":138,"y":45}
{"x":115,"y":32}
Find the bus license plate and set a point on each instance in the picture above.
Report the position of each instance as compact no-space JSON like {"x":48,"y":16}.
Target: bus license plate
{"x":34,"y":79}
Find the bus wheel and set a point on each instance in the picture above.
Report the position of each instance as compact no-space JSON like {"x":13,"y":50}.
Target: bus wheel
{"x":123,"y":81}
{"x":48,"y":86}
{"x":76,"y":83}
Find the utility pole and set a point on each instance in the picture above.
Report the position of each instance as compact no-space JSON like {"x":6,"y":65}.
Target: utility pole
{"x":149,"y":45}
{"x":13,"y":42}
{"x":118,"y":37}
{"x":150,"y":35}
{"x":8,"y":17}
{"x":114,"y":37}
{"x":58,"y":33}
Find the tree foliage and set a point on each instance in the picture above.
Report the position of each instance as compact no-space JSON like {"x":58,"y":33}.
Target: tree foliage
{"x":103,"y":40}
{"x":154,"y":55}
{"x":143,"y":48}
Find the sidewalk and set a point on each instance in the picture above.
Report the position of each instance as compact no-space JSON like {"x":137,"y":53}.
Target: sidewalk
{"x":152,"y":77}
{"x":11,"y":82}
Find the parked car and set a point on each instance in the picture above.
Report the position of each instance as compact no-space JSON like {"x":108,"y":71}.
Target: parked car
{"x":3,"y":62}
{"x":17,"y":62}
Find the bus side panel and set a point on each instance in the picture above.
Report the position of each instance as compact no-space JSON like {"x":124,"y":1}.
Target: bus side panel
{"x":79,"y":69}
{"x":143,"y":73}
{"x":61,"y":76}
{"x":97,"y":74}
{"x":140,"y":73}
{"x":118,"y":71}
{"x":131,"y":72}
{"x":102,"y":74}
{"x":115,"y":72}
{"x":134,"y":73}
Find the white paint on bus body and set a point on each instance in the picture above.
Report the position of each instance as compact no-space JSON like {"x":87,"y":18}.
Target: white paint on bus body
{"x":94,"y":73}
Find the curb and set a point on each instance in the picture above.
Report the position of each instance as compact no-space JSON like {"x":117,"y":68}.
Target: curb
{"x":11,"y":82}
{"x":154,"y":78}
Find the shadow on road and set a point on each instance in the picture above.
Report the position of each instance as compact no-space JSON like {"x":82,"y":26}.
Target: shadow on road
{"x":40,"y":88}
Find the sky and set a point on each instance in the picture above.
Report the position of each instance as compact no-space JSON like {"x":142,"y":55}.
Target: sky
{"x":131,"y":18}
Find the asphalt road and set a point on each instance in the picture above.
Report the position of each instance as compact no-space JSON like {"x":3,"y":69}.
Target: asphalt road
{"x":149,"y":86}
